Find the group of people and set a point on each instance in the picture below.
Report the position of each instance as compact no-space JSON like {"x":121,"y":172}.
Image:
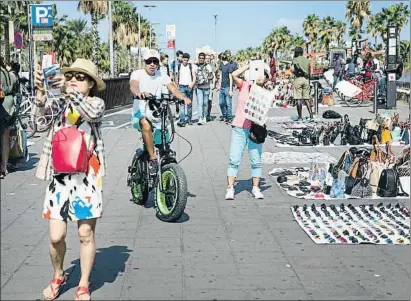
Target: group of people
{"x":370,"y":66}
{"x":76,"y":195}
{"x":154,"y":79}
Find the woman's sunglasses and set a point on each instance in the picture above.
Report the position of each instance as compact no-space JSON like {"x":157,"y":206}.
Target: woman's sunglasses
{"x":78,"y":76}
{"x":152,"y":61}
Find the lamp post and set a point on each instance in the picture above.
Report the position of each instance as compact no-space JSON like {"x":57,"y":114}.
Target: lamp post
{"x":139,"y":31}
{"x":110,"y":30}
{"x":215,"y":33}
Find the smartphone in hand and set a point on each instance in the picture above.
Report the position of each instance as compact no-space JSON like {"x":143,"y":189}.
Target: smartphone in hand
{"x":50,"y":74}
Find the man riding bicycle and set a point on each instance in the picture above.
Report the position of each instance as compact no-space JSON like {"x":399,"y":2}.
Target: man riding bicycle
{"x":145,"y":82}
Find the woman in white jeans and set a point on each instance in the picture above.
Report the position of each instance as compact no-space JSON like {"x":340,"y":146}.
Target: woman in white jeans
{"x":240,"y":140}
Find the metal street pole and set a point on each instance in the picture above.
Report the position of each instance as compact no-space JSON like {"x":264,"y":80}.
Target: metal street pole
{"x":110,"y":28}
{"x":215,"y":33}
{"x":31,"y":74}
{"x":139,"y":39}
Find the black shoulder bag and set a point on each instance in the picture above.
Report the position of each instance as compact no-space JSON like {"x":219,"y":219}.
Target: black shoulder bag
{"x":258,"y":133}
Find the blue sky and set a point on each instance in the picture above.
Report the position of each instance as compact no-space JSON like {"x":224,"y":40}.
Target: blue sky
{"x":240,"y":23}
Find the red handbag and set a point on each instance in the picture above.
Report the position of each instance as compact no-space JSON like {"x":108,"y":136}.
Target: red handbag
{"x":69,"y":151}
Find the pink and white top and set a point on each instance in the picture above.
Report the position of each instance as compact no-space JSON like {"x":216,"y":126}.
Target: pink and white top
{"x":240,"y":120}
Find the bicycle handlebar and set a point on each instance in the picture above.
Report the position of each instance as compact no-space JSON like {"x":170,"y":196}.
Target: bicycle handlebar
{"x":166,"y":97}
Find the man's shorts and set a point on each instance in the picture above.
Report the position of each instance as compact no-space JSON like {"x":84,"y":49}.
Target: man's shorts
{"x":301,"y":88}
{"x":137,"y":112}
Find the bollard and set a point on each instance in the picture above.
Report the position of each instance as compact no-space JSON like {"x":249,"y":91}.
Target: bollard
{"x":316,"y":98}
{"x":375,"y":100}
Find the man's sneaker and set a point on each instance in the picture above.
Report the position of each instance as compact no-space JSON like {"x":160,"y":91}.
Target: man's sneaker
{"x":256,"y":192}
{"x":208,"y":118}
{"x":230,"y":193}
{"x":201,"y":121}
{"x":153,"y":167}
{"x":222,"y":118}
{"x":181,"y":124}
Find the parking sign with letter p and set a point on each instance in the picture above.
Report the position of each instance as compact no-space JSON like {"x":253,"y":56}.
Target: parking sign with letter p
{"x":41,"y":16}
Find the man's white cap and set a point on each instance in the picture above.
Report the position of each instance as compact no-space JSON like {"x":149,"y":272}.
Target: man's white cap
{"x":151,"y":53}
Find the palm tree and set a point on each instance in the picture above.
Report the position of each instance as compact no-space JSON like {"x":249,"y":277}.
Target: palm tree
{"x":397,"y":14}
{"x":356,"y":13}
{"x":327,"y":32}
{"x":405,"y":54}
{"x":374,"y":27}
{"x":310,"y":29}
{"x":96,"y":9}
{"x":340,"y":29}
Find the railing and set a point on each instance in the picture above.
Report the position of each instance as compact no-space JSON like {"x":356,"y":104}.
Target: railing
{"x":117,"y":93}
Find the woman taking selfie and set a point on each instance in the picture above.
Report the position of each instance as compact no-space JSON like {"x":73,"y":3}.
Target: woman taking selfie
{"x":74,"y":192}
{"x":240,"y":137}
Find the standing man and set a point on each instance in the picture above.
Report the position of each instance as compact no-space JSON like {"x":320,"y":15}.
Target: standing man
{"x":204,"y":77}
{"x":226,"y":88}
{"x":338,"y":69}
{"x":185,"y":80}
{"x":173,"y":75}
{"x":301,"y":70}
{"x":212,"y":85}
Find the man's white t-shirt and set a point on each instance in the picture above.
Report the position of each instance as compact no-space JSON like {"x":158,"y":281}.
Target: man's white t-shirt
{"x":154,"y":85}
{"x":185,"y":76}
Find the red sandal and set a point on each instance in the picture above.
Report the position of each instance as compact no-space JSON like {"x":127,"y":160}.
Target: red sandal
{"x":82,"y":290}
{"x":55,"y":292}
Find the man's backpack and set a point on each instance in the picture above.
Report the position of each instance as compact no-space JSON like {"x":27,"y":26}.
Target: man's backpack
{"x":191,"y":71}
{"x":204,"y":76}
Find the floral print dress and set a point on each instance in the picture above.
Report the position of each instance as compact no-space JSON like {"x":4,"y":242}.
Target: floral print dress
{"x":73,"y":197}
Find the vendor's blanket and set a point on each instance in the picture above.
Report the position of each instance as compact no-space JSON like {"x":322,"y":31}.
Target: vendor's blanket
{"x":351,"y":224}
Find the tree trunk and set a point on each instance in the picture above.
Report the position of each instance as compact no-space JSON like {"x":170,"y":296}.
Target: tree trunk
{"x":94,"y":30}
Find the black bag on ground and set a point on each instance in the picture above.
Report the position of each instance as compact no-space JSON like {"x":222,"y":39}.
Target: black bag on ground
{"x":387,"y":185}
{"x":330,"y":114}
{"x":258,"y":133}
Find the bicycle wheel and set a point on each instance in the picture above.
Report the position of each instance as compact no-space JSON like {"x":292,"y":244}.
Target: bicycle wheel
{"x":28,"y":125}
{"x":171,"y":203}
{"x":352,"y":101}
{"x":138,"y":181}
{"x":43,"y":119}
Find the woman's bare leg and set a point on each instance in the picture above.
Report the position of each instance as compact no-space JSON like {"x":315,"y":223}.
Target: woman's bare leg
{"x":57,"y":246}
{"x":86,"y":230}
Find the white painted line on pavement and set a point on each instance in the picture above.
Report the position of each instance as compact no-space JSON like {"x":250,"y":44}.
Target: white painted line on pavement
{"x":118,"y":112}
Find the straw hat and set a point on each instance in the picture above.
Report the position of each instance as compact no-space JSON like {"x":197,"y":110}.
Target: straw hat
{"x":87,"y":67}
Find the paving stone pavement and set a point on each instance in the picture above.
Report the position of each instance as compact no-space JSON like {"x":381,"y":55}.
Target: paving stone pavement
{"x":235,"y":250}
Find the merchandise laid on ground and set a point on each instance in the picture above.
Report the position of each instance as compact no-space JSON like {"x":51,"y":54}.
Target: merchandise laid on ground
{"x":343,"y":132}
{"x":296,"y":157}
{"x":358,"y":174}
{"x":349,"y":224}
{"x":284,"y":96}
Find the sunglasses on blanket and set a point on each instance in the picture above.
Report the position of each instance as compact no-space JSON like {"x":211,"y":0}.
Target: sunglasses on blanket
{"x":80,"y":77}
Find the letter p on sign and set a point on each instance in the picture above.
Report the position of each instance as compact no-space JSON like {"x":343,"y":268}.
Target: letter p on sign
{"x":41,"y":16}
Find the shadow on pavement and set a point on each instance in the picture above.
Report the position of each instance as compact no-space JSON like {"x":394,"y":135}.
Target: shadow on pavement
{"x":246,"y":185}
{"x":108,"y":264}
{"x":19,"y":165}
